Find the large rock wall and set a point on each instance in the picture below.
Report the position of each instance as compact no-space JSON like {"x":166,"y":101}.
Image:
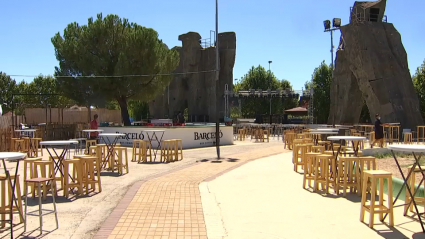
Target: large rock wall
{"x":197,"y":91}
{"x":373,"y":58}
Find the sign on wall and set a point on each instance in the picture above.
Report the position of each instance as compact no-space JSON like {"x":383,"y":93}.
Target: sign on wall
{"x":192,"y":137}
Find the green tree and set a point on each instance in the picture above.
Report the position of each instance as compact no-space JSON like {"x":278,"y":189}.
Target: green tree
{"x":138,"y":109}
{"x":288,"y":103}
{"x":48,"y":91}
{"x":259,"y":78}
{"x":134,"y":62}
{"x":7,"y":88}
{"x":419,"y":84}
{"x":321,"y":82}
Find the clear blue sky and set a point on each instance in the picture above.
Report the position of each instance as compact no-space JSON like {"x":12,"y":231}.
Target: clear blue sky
{"x":289,"y":33}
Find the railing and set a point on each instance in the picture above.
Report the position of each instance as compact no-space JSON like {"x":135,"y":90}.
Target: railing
{"x":205,"y":43}
{"x":359,"y":17}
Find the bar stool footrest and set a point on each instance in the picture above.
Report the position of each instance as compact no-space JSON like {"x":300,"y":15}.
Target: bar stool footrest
{"x":48,"y":211}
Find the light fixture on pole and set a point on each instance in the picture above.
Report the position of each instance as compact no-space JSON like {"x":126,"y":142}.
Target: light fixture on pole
{"x":217,"y":84}
{"x":336,"y":25}
{"x":270,"y":97}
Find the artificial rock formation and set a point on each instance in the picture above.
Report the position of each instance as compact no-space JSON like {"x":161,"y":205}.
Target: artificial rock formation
{"x":197,"y":91}
{"x":371,"y":66}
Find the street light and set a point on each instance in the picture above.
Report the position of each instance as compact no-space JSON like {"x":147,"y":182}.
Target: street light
{"x":217,"y":84}
{"x":336,"y":24}
{"x":270,"y":99}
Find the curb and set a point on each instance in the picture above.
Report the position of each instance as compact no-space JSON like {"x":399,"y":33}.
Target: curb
{"x":397,"y":183}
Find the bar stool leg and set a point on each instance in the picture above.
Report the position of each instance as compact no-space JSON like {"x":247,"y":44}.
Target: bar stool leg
{"x":54,"y":205}
{"x":40,"y":208}
{"x":372,"y":203}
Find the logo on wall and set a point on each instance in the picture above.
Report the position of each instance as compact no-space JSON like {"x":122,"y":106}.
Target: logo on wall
{"x":132,"y":136}
{"x":206,"y":136}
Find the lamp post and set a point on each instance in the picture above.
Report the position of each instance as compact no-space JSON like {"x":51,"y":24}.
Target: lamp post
{"x":270,"y":99}
{"x":336,"y":24}
{"x":217,"y":84}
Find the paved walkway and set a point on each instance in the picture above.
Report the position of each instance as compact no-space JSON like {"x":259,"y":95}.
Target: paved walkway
{"x":169,"y":205}
{"x":265,"y":199}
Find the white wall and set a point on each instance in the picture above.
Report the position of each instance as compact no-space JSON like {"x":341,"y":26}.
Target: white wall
{"x":193,"y":137}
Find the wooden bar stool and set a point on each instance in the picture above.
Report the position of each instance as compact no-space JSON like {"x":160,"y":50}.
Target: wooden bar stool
{"x":366,"y":163}
{"x":241,"y":134}
{"x":45,"y":169}
{"x":35,"y":142}
{"x":348,"y":176}
{"x":296,"y":150}
{"x":136,"y":150}
{"x":420,"y":200}
{"x":19,"y":145}
{"x":309,"y":168}
{"x":408,"y":138}
{"x":266,"y":134}
{"x":288,"y":138}
{"x":29,"y":166}
{"x":325,"y":172}
{"x":90,"y":142}
{"x":145,"y":147}
{"x":5,"y":201}
{"x":26,"y":146}
{"x":318,"y":149}
{"x":91,"y":176}
{"x":78,"y":178}
{"x":118,"y":161}
{"x":178,"y":149}
{"x":39,"y":213}
{"x":380,"y":208}
{"x":13,"y":144}
{"x":167,"y":150}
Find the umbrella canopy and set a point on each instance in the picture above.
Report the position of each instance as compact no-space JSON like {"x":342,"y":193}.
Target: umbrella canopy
{"x":297,"y":111}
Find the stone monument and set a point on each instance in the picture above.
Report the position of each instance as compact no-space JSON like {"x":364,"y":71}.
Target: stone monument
{"x":196,"y":89}
{"x":371,"y":67}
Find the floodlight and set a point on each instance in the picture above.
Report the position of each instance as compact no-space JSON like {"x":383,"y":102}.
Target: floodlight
{"x":327,"y":24}
{"x":337,"y":22}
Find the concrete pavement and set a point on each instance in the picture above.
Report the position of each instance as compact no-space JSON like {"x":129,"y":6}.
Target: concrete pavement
{"x":265,"y":199}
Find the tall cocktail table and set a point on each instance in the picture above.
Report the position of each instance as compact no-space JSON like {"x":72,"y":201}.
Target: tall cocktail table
{"x":12,"y":156}
{"x":110,"y":144}
{"x":153,"y":137}
{"x":417,"y":151}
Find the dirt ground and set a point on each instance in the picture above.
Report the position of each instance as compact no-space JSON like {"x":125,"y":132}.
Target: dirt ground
{"x":389,"y":164}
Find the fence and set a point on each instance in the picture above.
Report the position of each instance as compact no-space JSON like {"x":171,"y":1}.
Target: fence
{"x":36,"y":116}
{"x":6,"y":121}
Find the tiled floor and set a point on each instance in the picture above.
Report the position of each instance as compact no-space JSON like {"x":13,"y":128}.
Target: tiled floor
{"x":169,"y":206}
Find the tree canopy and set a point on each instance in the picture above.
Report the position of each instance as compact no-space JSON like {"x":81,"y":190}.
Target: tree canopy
{"x":259,"y":78}
{"x":7,"y":88}
{"x":419,"y":84}
{"x":321,"y":82}
{"x":127,"y":61}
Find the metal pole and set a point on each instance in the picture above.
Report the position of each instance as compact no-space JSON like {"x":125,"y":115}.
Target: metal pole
{"x":217,"y":85}
{"x":168,"y":100}
{"x":270,"y":99}
{"x":332,"y":49}
{"x":332,"y":68}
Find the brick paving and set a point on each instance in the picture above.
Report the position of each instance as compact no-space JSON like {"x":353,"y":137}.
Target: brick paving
{"x":169,"y":205}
